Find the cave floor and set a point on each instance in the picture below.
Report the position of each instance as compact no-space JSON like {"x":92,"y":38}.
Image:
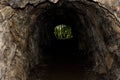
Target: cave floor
{"x":61,"y":70}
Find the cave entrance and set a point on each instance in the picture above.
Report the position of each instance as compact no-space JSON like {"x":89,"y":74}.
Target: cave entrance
{"x":63,"y":50}
{"x":63,"y":56}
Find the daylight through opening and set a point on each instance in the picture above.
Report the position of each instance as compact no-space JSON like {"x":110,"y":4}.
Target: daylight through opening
{"x":63,"y":32}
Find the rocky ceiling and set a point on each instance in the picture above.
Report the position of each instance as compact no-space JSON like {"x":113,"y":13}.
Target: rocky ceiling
{"x":23,"y":3}
{"x":113,"y":5}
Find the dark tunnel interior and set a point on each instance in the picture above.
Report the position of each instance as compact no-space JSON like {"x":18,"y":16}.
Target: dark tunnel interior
{"x":67,"y":56}
{"x":68,"y":49}
{"x":61,"y":47}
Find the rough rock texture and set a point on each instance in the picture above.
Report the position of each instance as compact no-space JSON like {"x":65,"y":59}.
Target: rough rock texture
{"x":12,"y":57}
{"x":23,"y":3}
{"x":20,"y":3}
{"x":15,"y":56}
{"x":19,"y":50}
{"x":112,"y":5}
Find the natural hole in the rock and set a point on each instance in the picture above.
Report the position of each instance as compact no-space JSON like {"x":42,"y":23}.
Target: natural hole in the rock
{"x":63,"y":32}
{"x":63,"y":43}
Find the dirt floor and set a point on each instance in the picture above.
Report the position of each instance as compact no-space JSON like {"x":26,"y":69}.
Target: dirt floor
{"x":57,"y":69}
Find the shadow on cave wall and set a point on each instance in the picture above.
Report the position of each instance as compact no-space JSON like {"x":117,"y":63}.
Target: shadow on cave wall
{"x":86,"y":52}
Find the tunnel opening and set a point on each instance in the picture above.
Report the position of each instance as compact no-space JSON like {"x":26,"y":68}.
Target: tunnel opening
{"x":62,"y":57}
{"x":68,"y":50}
{"x":63,"y":32}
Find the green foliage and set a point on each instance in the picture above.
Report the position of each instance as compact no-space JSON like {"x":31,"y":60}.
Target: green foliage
{"x":63,"y":32}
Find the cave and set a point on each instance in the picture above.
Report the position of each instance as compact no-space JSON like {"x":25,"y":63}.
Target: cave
{"x":59,"y":40}
{"x":84,"y":53}
{"x":70,"y":55}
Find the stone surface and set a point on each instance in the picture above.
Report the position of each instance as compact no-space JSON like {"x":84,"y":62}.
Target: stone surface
{"x":21,"y":3}
{"x":112,"y":5}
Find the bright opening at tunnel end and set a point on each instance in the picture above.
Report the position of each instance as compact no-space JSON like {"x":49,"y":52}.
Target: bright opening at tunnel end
{"x":63,"y":32}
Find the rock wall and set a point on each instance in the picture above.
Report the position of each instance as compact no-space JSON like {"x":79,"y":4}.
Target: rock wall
{"x":12,"y":57}
{"x":112,"y":5}
{"x":18,"y":52}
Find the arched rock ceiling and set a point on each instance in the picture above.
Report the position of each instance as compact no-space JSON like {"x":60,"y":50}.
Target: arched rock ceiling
{"x":23,"y":3}
{"x":113,"y":5}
